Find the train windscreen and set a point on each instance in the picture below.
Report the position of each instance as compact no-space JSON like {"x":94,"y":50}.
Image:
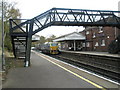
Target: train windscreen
{"x":53,"y":44}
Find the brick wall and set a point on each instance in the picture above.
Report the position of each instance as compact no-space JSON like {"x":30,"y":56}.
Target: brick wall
{"x":98,"y":38}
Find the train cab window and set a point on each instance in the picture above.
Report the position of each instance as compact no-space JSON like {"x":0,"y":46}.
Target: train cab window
{"x":53,"y":44}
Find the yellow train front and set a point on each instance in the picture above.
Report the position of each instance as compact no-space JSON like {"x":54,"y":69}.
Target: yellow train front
{"x":50,"y":48}
{"x":54,"y":48}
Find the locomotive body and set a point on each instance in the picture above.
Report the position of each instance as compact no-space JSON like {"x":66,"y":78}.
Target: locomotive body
{"x":49,"y":48}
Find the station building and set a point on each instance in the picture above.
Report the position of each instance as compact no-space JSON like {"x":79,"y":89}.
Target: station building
{"x":90,"y":39}
{"x":73,"y":41}
{"x":98,"y":38}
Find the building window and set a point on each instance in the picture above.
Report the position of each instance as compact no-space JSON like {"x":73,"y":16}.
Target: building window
{"x":94,"y":35}
{"x":103,"y":43}
{"x":87,"y":32}
{"x":88,"y":44}
{"x":83,"y":44}
{"x":96,"y":44}
{"x":100,"y":29}
{"x":108,"y":36}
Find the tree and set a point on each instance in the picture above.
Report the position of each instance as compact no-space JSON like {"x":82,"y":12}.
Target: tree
{"x":9,"y":12}
{"x":51,"y":38}
{"x":42,"y":40}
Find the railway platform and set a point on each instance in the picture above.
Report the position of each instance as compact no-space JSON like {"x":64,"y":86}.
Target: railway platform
{"x":94,"y":53}
{"x":102,"y":63}
{"x":47,"y":72}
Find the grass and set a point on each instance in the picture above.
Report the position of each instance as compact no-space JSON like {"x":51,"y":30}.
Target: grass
{"x":11,"y":62}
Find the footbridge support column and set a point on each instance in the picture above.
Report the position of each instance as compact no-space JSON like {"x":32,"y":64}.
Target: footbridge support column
{"x":28,"y":44}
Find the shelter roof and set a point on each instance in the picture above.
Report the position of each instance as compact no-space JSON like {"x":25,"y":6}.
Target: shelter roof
{"x":71,"y":36}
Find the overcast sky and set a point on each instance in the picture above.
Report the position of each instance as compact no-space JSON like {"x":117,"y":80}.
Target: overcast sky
{"x":32,"y":8}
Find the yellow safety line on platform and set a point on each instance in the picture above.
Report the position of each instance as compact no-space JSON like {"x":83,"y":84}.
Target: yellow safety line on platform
{"x":96,"y":85}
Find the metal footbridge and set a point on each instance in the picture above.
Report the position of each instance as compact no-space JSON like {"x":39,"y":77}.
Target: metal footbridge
{"x":21,"y":30}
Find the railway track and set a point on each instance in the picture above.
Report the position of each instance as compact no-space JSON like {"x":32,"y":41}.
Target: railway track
{"x":107,"y":67}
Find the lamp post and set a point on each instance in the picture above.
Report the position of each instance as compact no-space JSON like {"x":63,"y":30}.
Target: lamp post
{"x":3,"y":61}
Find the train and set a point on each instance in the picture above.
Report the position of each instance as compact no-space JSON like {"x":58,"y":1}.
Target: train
{"x":49,"y":48}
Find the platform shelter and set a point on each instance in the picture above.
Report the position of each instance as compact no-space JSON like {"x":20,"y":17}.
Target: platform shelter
{"x":73,"y":41}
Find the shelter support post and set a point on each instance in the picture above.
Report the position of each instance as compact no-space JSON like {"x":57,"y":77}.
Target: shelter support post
{"x":74,"y":45}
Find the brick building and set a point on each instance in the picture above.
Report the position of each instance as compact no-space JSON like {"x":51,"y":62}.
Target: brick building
{"x":98,"y":38}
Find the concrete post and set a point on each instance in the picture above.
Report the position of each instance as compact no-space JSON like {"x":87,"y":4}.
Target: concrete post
{"x":119,"y":8}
